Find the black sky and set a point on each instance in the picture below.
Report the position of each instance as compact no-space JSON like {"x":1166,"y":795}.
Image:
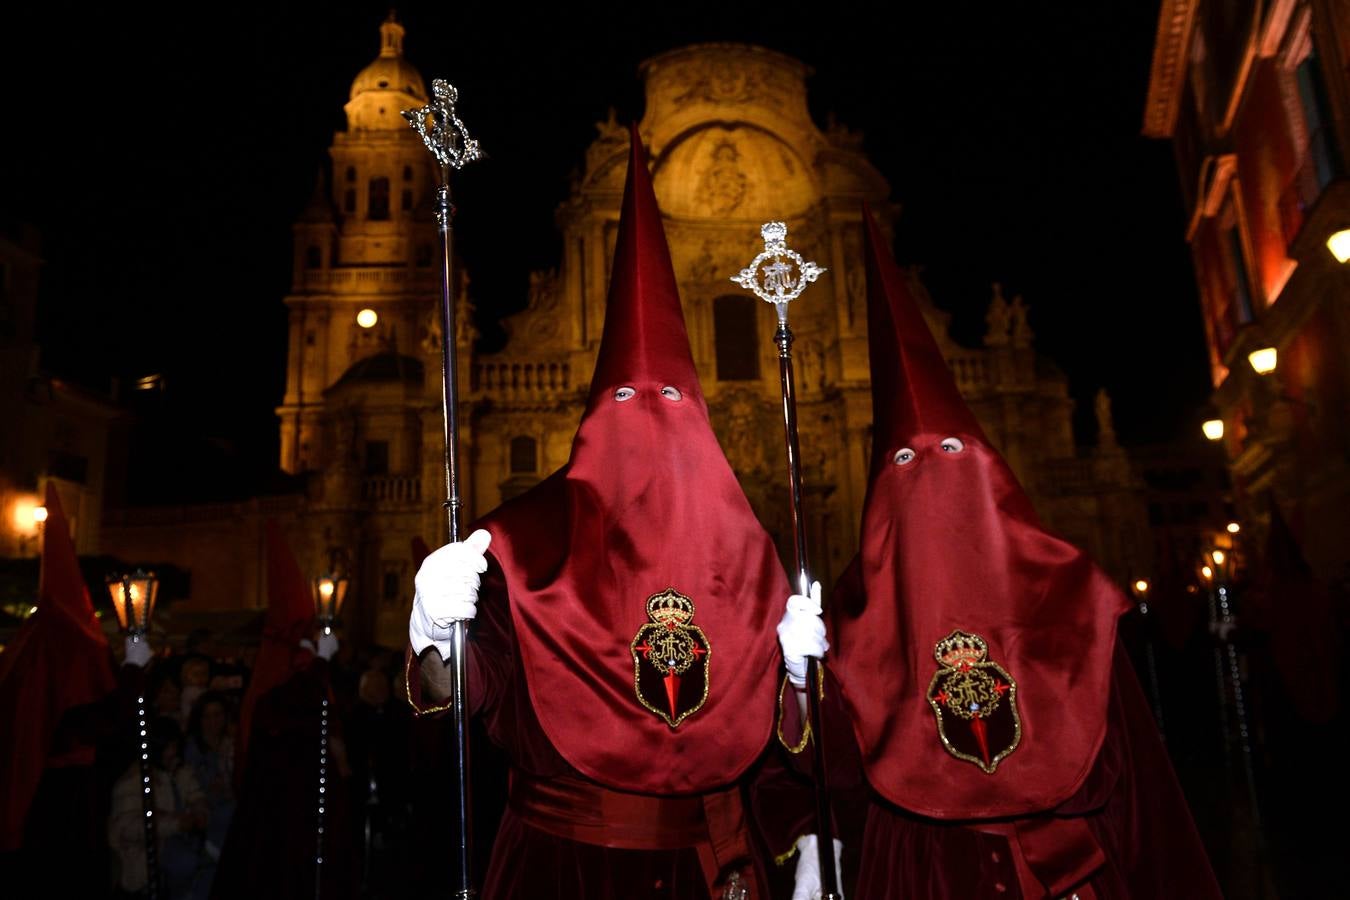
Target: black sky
{"x":165,"y":153}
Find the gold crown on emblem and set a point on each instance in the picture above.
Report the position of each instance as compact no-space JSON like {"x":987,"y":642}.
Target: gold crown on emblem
{"x":670,"y":608}
{"x":960,"y":648}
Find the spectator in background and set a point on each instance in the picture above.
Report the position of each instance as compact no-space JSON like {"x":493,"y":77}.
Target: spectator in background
{"x":194,"y":676}
{"x":167,"y":697}
{"x":209,"y":752}
{"x":377,"y":737}
{"x":181,"y":817}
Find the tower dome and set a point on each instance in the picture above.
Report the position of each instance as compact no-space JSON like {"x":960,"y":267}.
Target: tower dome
{"x":388,"y":85}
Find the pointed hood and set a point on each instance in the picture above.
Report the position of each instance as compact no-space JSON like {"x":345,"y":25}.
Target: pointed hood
{"x":643,"y":590}
{"x":58,"y":660}
{"x":644,"y":340}
{"x":913,"y":391}
{"x":974,"y":648}
{"x":290,"y":619}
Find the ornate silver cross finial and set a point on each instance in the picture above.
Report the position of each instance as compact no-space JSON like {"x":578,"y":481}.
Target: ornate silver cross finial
{"x":441,"y":130}
{"x":776,"y":264}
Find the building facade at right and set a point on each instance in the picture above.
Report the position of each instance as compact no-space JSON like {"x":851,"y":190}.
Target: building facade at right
{"x":1255,"y":98}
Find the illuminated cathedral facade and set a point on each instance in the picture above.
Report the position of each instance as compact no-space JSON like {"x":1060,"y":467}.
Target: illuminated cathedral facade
{"x":732,"y":145}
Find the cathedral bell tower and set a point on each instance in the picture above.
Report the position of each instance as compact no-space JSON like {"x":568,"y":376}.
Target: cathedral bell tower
{"x":365,"y":276}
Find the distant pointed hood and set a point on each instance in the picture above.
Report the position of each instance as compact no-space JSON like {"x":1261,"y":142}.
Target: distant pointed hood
{"x":289,"y":620}
{"x":58,"y":660}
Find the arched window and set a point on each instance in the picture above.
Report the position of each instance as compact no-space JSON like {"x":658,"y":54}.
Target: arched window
{"x":378,"y":207}
{"x":351,"y":173}
{"x":407,"y":199}
{"x":524,"y":455}
{"x":407,"y":173}
{"x":736,"y":337}
{"x":313,"y":258}
{"x":349,"y":201}
{"x":424,"y":255}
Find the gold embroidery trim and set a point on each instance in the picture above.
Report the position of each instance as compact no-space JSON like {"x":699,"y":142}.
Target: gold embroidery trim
{"x":782,"y":858}
{"x":407,"y":690}
{"x":806,"y":722}
{"x":655,"y":600}
{"x":806,"y":725}
{"x":980,"y":649}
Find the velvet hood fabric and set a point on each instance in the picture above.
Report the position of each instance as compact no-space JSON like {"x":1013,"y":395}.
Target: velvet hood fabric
{"x":289,"y":620}
{"x":950,"y":543}
{"x":646,"y":503}
{"x":57,"y":661}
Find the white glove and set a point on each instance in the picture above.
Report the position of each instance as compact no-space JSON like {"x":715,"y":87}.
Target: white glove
{"x":801,"y":633}
{"x":807,"y":884}
{"x":138,"y":652}
{"x":447,"y":592}
{"x":328,"y":646}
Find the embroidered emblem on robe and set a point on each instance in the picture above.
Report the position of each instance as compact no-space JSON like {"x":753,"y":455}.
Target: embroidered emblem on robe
{"x":975,"y":701}
{"x":670,"y":659}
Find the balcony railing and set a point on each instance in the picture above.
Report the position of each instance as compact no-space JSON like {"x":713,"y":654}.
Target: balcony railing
{"x":392,"y":490}
{"x":523,"y":381}
{"x":362,"y":279}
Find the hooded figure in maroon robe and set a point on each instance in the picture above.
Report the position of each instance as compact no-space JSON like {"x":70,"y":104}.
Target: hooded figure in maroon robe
{"x":272,"y":844}
{"x":974,"y":655}
{"x":62,"y":709}
{"x":623,"y":653}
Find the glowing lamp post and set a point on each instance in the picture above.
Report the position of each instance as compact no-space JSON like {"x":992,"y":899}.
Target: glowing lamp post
{"x":329,"y":591}
{"x":1339,"y":245}
{"x":133,"y":597}
{"x":1213,"y":429}
{"x":1263,"y":361}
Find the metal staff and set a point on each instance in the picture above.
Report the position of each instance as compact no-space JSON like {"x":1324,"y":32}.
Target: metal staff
{"x":1222,"y":623}
{"x":133,"y":598}
{"x":770,"y":277}
{"x":449,"y":142}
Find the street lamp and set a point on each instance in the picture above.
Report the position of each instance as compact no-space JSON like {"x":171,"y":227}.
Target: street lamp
{"x":133,"y":597}
{"x":1339,"y":245}
{"x":367,"y":318}
{"x":1263,"y":361}
{"x":39,"y":514}
{"x":1233,"y":528}
{"x":1213,"y":429}
{"x":329,"y":591}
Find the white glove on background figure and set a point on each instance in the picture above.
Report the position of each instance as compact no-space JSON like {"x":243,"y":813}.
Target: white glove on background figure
{"x":138,"y":652}
{"x":447,"y":592}
{"x":328,"y":646}
{"x":801,"y":633}
{"x":807,"y":885}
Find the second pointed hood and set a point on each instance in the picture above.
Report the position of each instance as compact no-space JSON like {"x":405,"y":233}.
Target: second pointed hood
{"x":913,"y":391}
{"x":973,"y":647}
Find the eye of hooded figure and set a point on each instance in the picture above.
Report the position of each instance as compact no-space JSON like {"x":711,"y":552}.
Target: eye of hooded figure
{"x":903,"y":457}
{"x":625,"y":393}
{"x":672,"y":393}
{"x":952,"y":445}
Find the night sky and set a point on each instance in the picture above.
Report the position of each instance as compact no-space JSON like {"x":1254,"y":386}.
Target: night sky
{"x":164,"y":162}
